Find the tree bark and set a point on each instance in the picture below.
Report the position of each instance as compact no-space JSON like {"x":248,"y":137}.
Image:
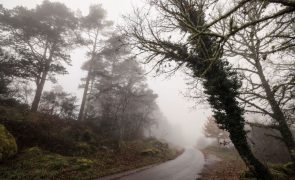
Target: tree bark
{"x":41,"y":83}
{"x":39,"y":91}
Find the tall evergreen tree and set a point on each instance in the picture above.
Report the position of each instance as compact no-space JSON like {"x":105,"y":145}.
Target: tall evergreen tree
{"x":91,"y":28}
{"x":42,"y":38}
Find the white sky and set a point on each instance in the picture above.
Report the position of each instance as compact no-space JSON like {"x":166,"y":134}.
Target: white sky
{"x":172,"y":103}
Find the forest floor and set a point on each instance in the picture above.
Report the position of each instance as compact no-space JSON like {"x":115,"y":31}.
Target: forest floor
{"x":226,"y":166}
{"x":51,"y":148}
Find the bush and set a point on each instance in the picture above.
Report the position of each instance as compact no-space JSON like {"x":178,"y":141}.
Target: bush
{"x":55,"y":135}
{"x":83,"y":148}
{"x":11,"y":102}
{"x":8,"y":147}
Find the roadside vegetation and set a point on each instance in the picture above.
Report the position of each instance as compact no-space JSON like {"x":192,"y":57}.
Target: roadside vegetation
{"x":45,"y":147}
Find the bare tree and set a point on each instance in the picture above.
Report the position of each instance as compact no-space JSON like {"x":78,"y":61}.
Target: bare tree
{"x":264,"y":63}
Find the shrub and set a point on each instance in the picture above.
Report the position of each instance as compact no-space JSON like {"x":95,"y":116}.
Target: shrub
{"x":8,"y":147}
{"x":55,"y":135}
{"x":83,"y":148}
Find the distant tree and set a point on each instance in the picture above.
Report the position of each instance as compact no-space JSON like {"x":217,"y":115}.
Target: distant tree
{"x":59,"y":103}
{"x":118,"y":97}
{"x":124,"y":99}
{"x":10,"y":69}
{"x":41,"y":37}
{"x":91,"y":28}
{"x":6,"y":73}
{"x":212,"y":130}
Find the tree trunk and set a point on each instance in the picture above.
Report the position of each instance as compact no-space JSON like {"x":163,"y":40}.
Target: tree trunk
{"x":221,"y":86}
{"x":84,"y":98}
{"x":41,"y":82}
{"x":39,"y":91}
{"x":278,"y":115}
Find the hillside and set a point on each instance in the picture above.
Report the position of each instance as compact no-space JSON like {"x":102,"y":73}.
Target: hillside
{"x":53,"y":148}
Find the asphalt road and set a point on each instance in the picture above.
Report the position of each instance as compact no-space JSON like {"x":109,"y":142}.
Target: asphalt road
{"x":185,"y":167}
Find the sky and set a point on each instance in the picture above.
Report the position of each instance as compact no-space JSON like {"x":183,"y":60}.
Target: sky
{"x":177,"y":109}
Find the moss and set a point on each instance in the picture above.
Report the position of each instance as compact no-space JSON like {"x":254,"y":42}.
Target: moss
{"x":8,"y":147}
{"x":83,"y":148}
{"x":33,"y":150}
{"x":279,"y":175}
{"x":278,"y":171}
{"x":34,"y":163}
{"x":288,"y":168}
{"x":83,"y":164}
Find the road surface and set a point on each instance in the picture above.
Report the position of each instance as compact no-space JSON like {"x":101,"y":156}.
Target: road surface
{"x":185,"y":167}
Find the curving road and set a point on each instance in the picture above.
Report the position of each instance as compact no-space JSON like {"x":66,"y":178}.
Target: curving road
{"x":185,"y":167}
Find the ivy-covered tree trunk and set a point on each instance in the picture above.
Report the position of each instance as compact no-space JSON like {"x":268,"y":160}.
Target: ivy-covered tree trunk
{"x":201,"y":53}
{"x":221,"y":84}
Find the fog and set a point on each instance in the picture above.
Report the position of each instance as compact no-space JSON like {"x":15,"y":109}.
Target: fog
{"x":185,"y":122}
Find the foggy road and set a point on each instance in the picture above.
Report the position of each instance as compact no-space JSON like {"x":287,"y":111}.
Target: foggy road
{"x":185,"y":167}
